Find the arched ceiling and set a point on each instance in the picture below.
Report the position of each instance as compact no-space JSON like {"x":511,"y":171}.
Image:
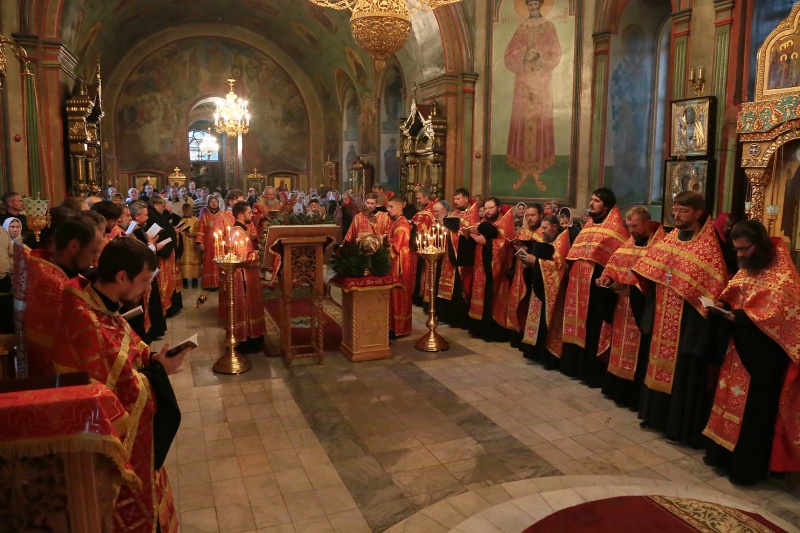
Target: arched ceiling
{"x":318,"y":39}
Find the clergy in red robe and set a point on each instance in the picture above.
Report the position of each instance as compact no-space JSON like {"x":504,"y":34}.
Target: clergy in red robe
{"x":421,"y":223}
{"x":455,"y":281}
{"x":369,"y":221}
{"x":586,"y":303}
{"x":519,"y":291}
{"x":266,"y":203}
{"x":95,"y":338}
{"x":248,"y":307}
{"x":111,"y":212}
{"x":493,"y":256}
{"x":403,"y":266}
{"x":683,"y":266}
{"x":755,"y":420}
{"x":77,"y":242}
{"x":206,"y":238}
{"x":627,"y":363}
{"x":545,"y":277}
{"x":555,"y":332}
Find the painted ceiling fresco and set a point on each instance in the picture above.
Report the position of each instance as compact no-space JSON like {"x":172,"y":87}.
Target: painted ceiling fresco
{"x":318,"y":39}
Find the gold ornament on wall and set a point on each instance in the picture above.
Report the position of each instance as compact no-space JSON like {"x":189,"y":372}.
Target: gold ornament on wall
{"x":381,"y":27}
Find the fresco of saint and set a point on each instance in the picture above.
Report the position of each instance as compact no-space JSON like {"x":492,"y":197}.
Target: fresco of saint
{"x":532,"y":54}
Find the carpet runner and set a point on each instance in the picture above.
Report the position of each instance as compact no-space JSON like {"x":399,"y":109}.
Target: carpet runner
{"x":653,"y":514}
{"x":301,"y":324}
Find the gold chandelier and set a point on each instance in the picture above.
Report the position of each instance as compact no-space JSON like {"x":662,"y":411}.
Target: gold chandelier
{"x":381,"y":27}
{"x":209,"y":145}
{"x":232,"y":116}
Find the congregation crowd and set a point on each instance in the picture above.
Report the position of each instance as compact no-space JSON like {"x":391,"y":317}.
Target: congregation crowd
{"x":695,"y":328}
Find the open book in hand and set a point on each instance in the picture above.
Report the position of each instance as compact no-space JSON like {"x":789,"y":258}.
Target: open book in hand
{"x":191,"y":342}
{"x":133,"y":313}
{"x":708,"y":303}
{"x":154,"y":229}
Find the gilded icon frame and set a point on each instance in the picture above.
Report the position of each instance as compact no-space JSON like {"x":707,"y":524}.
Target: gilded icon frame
{"x":686,"y":175}
{"x":692,"y":127}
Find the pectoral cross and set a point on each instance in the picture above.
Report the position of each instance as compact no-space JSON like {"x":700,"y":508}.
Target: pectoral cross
{"x":669,"y":277}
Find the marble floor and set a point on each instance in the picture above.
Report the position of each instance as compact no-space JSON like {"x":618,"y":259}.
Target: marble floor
{"x":473,"y":439}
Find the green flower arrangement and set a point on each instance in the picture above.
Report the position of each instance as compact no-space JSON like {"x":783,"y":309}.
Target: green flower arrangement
{"x":350,"y":261}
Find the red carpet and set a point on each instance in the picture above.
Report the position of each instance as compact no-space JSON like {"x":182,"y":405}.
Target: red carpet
{"x":301,"y":324}
{"x":652,"y":514}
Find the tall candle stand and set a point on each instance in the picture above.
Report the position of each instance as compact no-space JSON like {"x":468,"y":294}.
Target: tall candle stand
{"x":432,"y":247}
{"x":231,"y":362}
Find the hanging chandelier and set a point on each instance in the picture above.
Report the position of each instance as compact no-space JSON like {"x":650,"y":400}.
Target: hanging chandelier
{"x":381,"y":27}
{"x":232,"y":116}
{"x":209,"y":145}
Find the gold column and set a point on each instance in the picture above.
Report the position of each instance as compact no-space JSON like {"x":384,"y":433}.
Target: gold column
{"x":759,"y":178}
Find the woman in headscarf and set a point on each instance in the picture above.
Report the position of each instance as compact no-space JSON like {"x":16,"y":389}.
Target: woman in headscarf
{"x":14,"y":228}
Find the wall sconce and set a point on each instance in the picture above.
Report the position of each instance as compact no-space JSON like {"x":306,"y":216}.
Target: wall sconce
{"x":698,"y":81}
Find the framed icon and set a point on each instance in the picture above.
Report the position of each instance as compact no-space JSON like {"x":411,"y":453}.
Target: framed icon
{"x":692,"y":127}
{"x":679,"y":176}
{"x":140,"y":180}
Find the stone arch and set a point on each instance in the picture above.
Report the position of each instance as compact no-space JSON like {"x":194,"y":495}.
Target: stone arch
{"x":608,"y":13}
{"x":144,"y":49}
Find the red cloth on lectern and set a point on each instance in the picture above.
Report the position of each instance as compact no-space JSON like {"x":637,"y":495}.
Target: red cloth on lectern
{"x":405,"y":268}
{"x":249,"y":303}
{"x":93,"y":339}
{"x":86,"y":418}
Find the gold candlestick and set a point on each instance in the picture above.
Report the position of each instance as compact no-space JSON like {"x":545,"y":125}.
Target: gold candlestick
{"x":432,"y":341}
{"x":230,"y":362}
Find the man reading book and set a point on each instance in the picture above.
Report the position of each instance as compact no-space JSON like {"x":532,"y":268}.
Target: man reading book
{"x":96,"y":339}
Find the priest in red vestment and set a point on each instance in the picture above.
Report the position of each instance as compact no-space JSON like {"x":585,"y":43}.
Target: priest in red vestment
{"x":519,"y":291}
{"x":555,"y":332}
{"x":95,"y":338}
{"x":755,"y":419}
{"x":206,"y":236}
{"x":369,"y":221}
{"x":403,"y":266}
{"x":627,"y":361}
{"x":266,"y":203}
{"x":545,"y":275}
{"x":493,"y":256}
{"x":421,"y":223}
{"x":586,"y":304}
{"x":76,"y":247}
{"x":683,"y":266}
{"x":249,"y":322}
{"x":455,"y":281}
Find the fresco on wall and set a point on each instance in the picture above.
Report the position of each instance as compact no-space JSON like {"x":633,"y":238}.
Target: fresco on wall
{"x":368,"y":125}
{"x":631,"y":107}
{"x":152,"y":107}
{"x":391,"y":112}
{"x":532,"y":107}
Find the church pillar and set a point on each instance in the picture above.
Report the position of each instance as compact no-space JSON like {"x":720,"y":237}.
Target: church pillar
{"x":726,"y":135}
{"x":455,"y":95}
{"x":53,"y":67}
{"x":681,"y":29}
{"x":602,"y":43}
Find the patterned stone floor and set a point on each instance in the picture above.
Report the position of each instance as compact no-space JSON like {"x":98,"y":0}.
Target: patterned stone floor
{"x":416,"y":443}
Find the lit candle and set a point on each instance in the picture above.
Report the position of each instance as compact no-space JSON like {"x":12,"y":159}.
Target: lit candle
{"x":691,"y":74}
{"x":700,"y":74}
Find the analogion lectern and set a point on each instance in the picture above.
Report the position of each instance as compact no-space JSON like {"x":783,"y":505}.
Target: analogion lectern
{"x":299,"y":253}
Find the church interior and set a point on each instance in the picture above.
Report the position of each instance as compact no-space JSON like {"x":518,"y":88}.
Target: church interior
{"x":515,"y":101}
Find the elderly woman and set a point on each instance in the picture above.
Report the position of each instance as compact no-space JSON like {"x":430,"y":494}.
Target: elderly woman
{"x":14,"y":228}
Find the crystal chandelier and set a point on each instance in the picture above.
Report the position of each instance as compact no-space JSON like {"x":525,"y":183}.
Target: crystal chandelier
{"x":232,"y":116}
{"x":381,"y":27}
{"x":209,"y":145}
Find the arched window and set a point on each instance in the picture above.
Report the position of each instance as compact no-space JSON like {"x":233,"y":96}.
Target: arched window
{"x":199,"y":150}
